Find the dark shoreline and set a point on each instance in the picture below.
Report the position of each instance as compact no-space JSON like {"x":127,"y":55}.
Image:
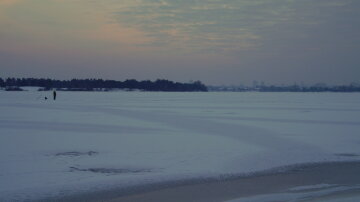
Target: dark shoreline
{"x":227,"y":187}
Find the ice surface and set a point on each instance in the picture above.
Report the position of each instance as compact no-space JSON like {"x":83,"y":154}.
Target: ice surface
{"x":95,"y":140}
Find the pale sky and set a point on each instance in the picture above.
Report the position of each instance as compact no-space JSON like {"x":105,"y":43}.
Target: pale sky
{"x":215,"y":41}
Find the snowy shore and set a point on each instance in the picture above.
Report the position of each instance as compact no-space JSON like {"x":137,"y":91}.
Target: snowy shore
{"x":91,"y":142}
{"x":325,"y":181}
{"x":332,"y":181}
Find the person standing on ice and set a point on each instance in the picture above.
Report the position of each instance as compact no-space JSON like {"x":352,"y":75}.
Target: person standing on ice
{"x":54,"y":94}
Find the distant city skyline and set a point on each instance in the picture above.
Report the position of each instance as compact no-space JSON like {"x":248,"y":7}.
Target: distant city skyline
{"x":219,"y":42}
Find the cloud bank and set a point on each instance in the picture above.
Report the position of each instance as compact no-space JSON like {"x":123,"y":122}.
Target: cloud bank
{"x":217,"y":41}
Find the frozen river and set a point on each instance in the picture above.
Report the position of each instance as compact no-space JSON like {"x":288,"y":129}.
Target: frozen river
{"x":87,"y":141}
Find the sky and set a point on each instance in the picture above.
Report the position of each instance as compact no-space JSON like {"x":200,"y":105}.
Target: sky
{"x":219,"y":42}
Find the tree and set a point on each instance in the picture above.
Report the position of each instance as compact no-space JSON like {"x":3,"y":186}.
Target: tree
{"x":10,"y":82}
{"x":2,"y":83}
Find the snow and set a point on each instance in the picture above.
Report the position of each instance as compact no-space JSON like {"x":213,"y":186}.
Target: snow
{"x":87,"y":141}
{"x":303,"y":196}
{"x":310,"y":187}
{"x":30,"y":88}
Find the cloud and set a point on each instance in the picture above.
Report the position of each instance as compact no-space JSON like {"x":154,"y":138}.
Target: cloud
{"x":212,"y":26}
{"x":8,"y":2}
{"x":231,"y":39}
{"x":222,"y":25}
{"x":205,"y":25}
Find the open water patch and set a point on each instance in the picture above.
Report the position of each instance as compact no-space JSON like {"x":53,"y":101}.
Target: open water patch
{"x":76,"y":153}
{"x":111,"y":171}
{"x":347,"y":154}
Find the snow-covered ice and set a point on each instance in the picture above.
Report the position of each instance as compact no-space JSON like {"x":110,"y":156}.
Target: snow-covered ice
{"x":303,"y":196}
{"x":98,"y":140}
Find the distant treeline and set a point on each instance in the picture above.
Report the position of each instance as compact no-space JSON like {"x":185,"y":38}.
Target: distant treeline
{"x":291,"y":88}
{"x":296,"y":88}
{"x":100,"y":84}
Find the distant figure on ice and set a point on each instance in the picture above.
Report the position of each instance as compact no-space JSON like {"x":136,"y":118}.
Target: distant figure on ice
{"x":54,"y":94}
